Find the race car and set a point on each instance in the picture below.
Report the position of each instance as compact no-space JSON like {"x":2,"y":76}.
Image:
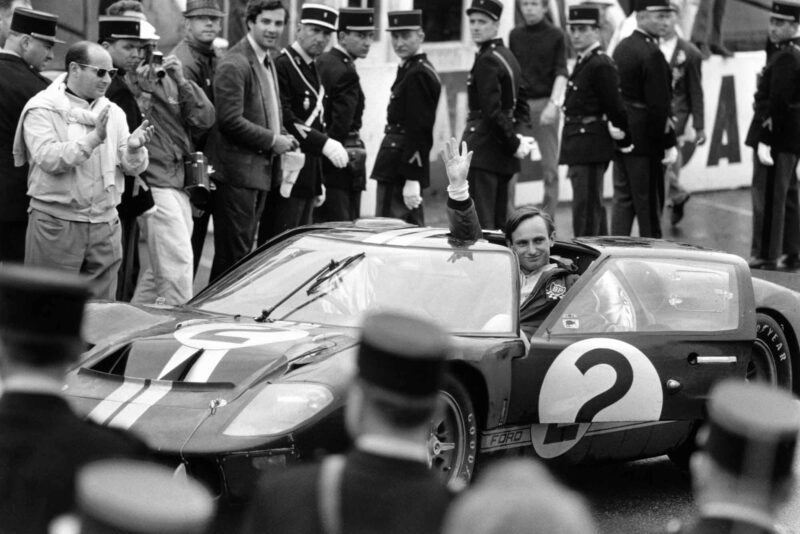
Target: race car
{"x":251,"y":374}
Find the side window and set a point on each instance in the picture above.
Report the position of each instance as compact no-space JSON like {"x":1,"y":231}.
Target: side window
{"x":637,"y":295}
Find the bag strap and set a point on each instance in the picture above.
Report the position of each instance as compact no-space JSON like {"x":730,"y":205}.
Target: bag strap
{"x":329,"y":490}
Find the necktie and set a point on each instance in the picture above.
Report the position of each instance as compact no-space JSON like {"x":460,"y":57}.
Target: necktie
{"x":273,"y":98}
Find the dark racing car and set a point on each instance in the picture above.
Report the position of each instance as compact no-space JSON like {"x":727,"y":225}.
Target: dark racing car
{"x":250,"y":374}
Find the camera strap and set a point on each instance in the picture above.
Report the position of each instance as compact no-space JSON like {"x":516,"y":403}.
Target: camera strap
{"x":320,"y":94}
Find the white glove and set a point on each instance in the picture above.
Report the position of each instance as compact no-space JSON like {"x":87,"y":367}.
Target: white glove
{"x":526,"y":144}
{"x":456,"y":163}
{"x":765,"y":154}
{"x":320,"y":200}
{"x":627,"y":150}
{"x":286,"y":188}
{"x":616,"y":133}
{"x":411,"y":194}
{"x":334,"y":151}
{"x":670,"y":156}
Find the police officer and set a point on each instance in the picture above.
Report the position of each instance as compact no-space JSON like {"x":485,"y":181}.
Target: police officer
{"x":402,"y":167}
{"x":303,"y":100}
{"x":646,"y":85}
{"x":42,"y":441}
{"x":743,"y":473}
{"x":592,"y":104}
{"x":495,"y":108}
{"x":774,"y":135}
{"x":384,"y":484}
{"x":337,"y":72}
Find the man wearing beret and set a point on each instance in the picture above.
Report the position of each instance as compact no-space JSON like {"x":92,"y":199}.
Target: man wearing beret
{"x":28,"y":48}
{"x":42,"y":442}
{"x":402,"y":167}
{"x":743,"y":473}
{"x":337,"y":72}
{"x":646,"y":85}
{"x":495,"y":109}
{"x":384,"y":484}
{"x":774,"y":135}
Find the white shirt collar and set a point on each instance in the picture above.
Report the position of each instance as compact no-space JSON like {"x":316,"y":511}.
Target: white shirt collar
{"x":393,"y":448}
{"x":588,"y":51}
{"x":10,"y":52}
{"x":260,"y":52}
{"x":297,"y":48}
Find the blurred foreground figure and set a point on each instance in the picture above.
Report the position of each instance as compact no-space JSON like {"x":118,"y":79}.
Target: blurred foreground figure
{"x":518,"y":497}
{"x":385,"y":484}
{"x":743,"y":475}
{"x":42,"y":442}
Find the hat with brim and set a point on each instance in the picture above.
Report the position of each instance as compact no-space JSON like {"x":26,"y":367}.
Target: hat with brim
{"x":356,"y":19}
{"x":405,"y":20}
{"x":37,"y":24}
{"x":202,"y":8}
{"x":588,"y":15}
{"x":653,"y":5}
{"x":785,"y":10}
{"x":112,"y":28}
{"x":319,"y":15}
{"x":492,"y":8}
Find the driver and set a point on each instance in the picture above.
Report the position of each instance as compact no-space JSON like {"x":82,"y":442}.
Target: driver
{"x":529,"y":232}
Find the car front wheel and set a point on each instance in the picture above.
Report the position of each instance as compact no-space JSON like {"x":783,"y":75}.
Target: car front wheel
{"x":453,"y":442}
{"x":771,"y":361}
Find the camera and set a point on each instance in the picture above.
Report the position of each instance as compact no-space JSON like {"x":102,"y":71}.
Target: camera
{"x":156,"y":62}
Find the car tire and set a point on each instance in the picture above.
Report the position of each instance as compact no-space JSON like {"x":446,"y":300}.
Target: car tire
{"x":771,"y":360}
{"x":681,"y":454}
{"x":453,"y":442}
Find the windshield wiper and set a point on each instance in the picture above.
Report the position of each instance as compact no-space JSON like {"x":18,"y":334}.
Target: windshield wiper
{"x":318,"y":277}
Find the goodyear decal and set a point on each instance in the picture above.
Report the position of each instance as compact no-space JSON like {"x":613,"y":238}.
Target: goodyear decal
{"x":505,"y":438}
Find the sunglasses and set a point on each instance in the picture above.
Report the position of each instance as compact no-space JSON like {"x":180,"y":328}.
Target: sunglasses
{"x":101,"y":73}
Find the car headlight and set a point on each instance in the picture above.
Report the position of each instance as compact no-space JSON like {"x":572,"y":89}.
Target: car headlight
{"x":278,"y":408}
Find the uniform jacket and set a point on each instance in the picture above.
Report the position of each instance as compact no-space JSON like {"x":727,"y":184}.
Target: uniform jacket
{"x":410,"y":499}
{"x":406,"y":147}
{"x":687,"y":86}
{"x":300,"y":93}
{"x":548,"y":291}
{"x":42,"y":445}
{"x":239,"y":144}
{"x":120,"y":93}
{"x":495,"y":107}
{"x":646,"y":85}
{"x":18,"y":83}
{"x":344,"y":111}
{"x":776,"y":117}
{"x":591,"y":101}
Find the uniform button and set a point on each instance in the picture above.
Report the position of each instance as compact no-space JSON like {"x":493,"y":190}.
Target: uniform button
{"x":393,"y":144}
{"x":583,"y":130}
{"x":472,"y":129}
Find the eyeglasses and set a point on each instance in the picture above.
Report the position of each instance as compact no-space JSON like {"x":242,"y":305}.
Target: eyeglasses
{"x":101,"y":73}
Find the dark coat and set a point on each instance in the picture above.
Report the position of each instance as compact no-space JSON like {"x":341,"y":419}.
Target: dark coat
{"x":42,"y":445}
{"x":687,"y":86}
{"x":405,"y":150}
{"x":239,"y":145}
{"x":337,"y":72}
{"x":706,"y":525}
{"x":495,"y":107}
{"x":776,"y":118}
{"x":18,"y":83}
{"x":299,"y":97}
{"x":592,"y":97}
{"x":646,"y":85}
{"x":199,"y":65}
{"x":378,"y":494}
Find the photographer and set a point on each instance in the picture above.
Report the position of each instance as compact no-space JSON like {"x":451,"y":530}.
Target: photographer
{"x":180,"y":112}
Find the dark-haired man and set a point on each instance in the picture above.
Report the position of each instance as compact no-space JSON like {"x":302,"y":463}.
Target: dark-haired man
{"x":529,"y":232}
{"x":249,"y":136}
{"x":21,"y":59}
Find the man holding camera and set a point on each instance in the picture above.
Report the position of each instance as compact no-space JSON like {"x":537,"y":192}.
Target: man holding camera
{"x":180,"y":112}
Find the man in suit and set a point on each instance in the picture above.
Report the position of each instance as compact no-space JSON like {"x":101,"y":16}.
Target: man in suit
{"x":27,"y":49}
{"x":686,"y":63}
{"x":743,"y":473}
{"x":774,"y":135}
{"x":303,"y":98}
{"x":495,"y":109}
{"x":42,"y":442}
{"x":337,"y":72}
{"x":385,"y":483}
{"x":402,"y":167}
{"x":646,"y":86}
{"x":593,"y":108}
{"x":248,"y":138}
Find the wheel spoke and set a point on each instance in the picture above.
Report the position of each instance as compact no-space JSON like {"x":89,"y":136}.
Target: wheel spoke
{"x":447,"y":446}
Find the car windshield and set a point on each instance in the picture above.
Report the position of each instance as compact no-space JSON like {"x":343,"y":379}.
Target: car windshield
{"x":466,"y":291}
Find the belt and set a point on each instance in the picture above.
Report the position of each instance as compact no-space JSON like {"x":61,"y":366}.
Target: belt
{"x":394,"y":129}
{"x":583,"y":119}
{"x":478,"y":114}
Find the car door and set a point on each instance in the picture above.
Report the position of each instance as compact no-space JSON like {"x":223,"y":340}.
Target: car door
{"x":638,"y":338}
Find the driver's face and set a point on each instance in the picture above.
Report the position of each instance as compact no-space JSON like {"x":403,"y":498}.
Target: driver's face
{"x":531,"y":243}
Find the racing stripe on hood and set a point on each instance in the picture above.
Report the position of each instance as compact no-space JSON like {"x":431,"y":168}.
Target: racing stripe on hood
{"x":133,"y":411}
{"x":201,"y":371}
{"x":384,"y":237}
{"x":103,"y":411}
{"x":419,"y":235}
{"x":177,"y":359}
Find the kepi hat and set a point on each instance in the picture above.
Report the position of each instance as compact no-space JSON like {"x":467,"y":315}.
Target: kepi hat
{"x":37,"y":24}
{"x":111,"y":28}
{"x":405,"y":20}
{"x":356,"y":19}
{"x":492,"y":8}
{"x":589,"y":15}
{"x":319,"y":15}
{"x":653,"y":5}
{"x":785,"y":10}
{"x":202,"y":8}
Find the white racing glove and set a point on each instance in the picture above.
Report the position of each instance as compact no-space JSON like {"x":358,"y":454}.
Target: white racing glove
{"x":411,"y":194}
{"x":320,"y":200}
{"x":334,"y":151}
{"x":670,"y":156}
{"x":526,"y":144}
{"x":764,"y":153}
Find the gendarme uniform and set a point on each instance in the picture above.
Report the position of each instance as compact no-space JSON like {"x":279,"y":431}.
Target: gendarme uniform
{"x":304,"y":100}
{"x":776,"y":124}
{"x":592,"y":101}
{"x":337,"y":72}
{"x":405,"y":151}
{"x":494,"y":110}
{"x":751,"y":436}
